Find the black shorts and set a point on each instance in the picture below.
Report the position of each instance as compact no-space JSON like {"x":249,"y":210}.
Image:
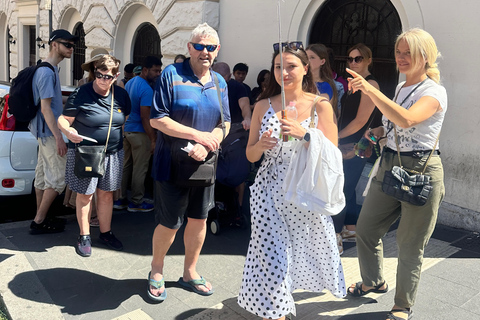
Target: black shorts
{"x":172,"y":203}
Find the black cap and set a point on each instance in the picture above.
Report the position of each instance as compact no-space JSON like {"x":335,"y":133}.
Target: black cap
{"x":62,"y":34}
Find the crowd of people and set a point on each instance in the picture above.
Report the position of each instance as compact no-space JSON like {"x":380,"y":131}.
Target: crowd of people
{"x":298,"y":223}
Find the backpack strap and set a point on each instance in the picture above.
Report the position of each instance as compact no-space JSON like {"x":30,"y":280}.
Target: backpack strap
{"x":47,"y":64}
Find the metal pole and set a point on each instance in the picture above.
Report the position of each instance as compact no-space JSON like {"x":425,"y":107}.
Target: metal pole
{"x":282,"y":85}
{"x":280,"y":47}
{"x":48,"y":6}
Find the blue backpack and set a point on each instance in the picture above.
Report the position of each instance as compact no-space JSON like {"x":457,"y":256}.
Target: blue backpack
{"x":21,"y":102}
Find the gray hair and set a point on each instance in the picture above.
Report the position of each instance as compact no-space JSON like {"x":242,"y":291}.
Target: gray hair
{"x":204,"y":30}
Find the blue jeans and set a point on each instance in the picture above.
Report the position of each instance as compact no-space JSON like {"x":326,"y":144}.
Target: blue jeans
{"x":352,"y":169}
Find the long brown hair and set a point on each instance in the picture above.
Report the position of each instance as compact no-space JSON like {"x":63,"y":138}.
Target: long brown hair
{"x":326,"y":70}
{"x":273,"y":88}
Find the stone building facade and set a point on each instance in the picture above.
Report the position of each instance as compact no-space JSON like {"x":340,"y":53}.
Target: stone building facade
{"x":247,"y":29}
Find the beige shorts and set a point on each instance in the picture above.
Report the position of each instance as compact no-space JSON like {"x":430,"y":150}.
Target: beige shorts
{"x":50,"y":170}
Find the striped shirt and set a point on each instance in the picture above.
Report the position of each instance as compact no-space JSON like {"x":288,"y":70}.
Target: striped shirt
{"x":180,"y":95}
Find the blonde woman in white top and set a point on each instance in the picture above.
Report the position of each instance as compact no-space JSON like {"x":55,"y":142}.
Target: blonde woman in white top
{"x":417,"y":112}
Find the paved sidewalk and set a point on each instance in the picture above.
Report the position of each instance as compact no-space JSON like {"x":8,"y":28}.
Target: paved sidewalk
{"x":43,"y":278}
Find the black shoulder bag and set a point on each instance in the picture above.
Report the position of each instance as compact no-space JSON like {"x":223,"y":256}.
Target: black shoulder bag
{"x":186,"y":171}
{"x":90,"y":160}
{"x":408,"y":185}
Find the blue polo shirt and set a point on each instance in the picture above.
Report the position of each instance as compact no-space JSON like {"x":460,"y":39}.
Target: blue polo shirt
{"x":180,"y":95}
{"x":141,"y":95}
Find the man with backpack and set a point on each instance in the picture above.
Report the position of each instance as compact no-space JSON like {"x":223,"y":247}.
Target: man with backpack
{"x":50,"y":170}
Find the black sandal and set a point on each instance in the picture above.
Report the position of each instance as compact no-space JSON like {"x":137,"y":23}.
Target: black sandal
{"x":390,"y":315}
{"x":359,"y":292}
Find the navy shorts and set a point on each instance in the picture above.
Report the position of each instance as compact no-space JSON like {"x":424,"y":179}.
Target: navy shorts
{"x":111,"y":180}
{"x":173,"y":203}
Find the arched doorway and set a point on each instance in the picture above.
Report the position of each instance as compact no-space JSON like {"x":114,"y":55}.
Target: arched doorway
{"x":147,"y":43}
{"x":339,"y":24}
{"x":78,"y":53}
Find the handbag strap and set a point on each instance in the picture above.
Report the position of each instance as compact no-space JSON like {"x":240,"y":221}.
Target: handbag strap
{"x":312,"y":112}
{"x":111,"y":117}
{"x":217,"y":86}
{"x":396,"y":135}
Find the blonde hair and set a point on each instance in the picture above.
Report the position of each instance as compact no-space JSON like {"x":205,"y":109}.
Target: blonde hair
{"x":422,"y":46}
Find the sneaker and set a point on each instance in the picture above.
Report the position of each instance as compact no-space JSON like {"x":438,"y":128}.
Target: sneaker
{"x":339,"y":243}
{"x":120,"y":204}
{"x":84,"y":246}
{"x":348,"y":235}
{"x":110,"y":240}
{"x":142,"y":207}
{"x":49,"y":225}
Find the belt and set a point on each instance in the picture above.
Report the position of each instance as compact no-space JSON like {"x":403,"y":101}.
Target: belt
{"x":414,"y":154}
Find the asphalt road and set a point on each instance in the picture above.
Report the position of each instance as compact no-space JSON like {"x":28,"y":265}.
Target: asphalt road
{"x":20,"y":208}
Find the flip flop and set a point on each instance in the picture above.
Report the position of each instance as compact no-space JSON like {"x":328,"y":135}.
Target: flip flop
{"x":195,"y":282}
{"x":358,"y":291}
{"x":157,"y":285}
{"x":390,"y":315}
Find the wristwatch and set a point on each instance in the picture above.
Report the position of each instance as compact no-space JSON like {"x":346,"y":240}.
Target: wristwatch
{"x":306,"y":137}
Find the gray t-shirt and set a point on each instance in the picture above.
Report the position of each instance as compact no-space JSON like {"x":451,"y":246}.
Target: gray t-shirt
{"x":46,"y":84}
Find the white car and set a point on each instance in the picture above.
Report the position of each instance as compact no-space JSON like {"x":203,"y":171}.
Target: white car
{"x":18,"y":152}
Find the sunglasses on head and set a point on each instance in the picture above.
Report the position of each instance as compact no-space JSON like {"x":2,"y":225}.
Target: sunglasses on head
{"x":67,"y":45}
{"x":357,"y":59}
{"x":107,"y":77}
{"x":295,"y":45}
{"x":201,"y":47}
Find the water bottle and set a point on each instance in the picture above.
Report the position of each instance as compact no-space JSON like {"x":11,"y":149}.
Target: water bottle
{"x":291,"y":113}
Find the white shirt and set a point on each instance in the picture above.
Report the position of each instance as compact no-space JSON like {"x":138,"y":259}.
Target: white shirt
{"x":315,"y":179}
{"x":423,"y":135}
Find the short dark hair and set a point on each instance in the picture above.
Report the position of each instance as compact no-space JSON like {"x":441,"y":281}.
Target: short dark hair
{"x":240,"y":67}
{"x":151,"y":61}
{"x":129,"y":67}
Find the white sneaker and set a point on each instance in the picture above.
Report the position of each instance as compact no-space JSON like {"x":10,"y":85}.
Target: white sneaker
{"x":339,"y":243}
{"x":348,"y":235}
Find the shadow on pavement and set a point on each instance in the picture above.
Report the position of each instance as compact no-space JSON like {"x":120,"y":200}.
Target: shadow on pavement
{"x":81,"y":291}
{"x":135,"y":230}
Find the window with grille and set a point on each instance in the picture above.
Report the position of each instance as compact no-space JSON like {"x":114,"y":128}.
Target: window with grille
{"x":78,"y":53}
{"x":339,"y":24}
{"x":147,"y":43}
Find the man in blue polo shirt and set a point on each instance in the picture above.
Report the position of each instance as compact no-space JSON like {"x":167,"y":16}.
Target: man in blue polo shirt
{"x":185,"y":105}
{"x":140,"y":137}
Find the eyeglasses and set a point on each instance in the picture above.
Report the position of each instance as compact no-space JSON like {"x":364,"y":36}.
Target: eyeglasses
{"x":357,"y":59}
{"x":67,"y":45}
{"x":201,"y":47}
{"x":107,"y":77}
{"x":295,"y":45}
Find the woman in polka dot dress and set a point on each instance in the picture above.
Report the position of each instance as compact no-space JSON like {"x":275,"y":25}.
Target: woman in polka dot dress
{"x":290,"y":248}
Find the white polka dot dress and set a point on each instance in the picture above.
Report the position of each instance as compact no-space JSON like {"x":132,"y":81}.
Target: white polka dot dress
{"x":290,"y":248}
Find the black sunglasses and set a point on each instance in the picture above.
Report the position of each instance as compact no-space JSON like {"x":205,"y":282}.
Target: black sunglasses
{"x":201,"y":47}
{"x":107,"y":77}
{"x":295,"y":45}
{"x":357,"y":59}
{"x":67,"y":45}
